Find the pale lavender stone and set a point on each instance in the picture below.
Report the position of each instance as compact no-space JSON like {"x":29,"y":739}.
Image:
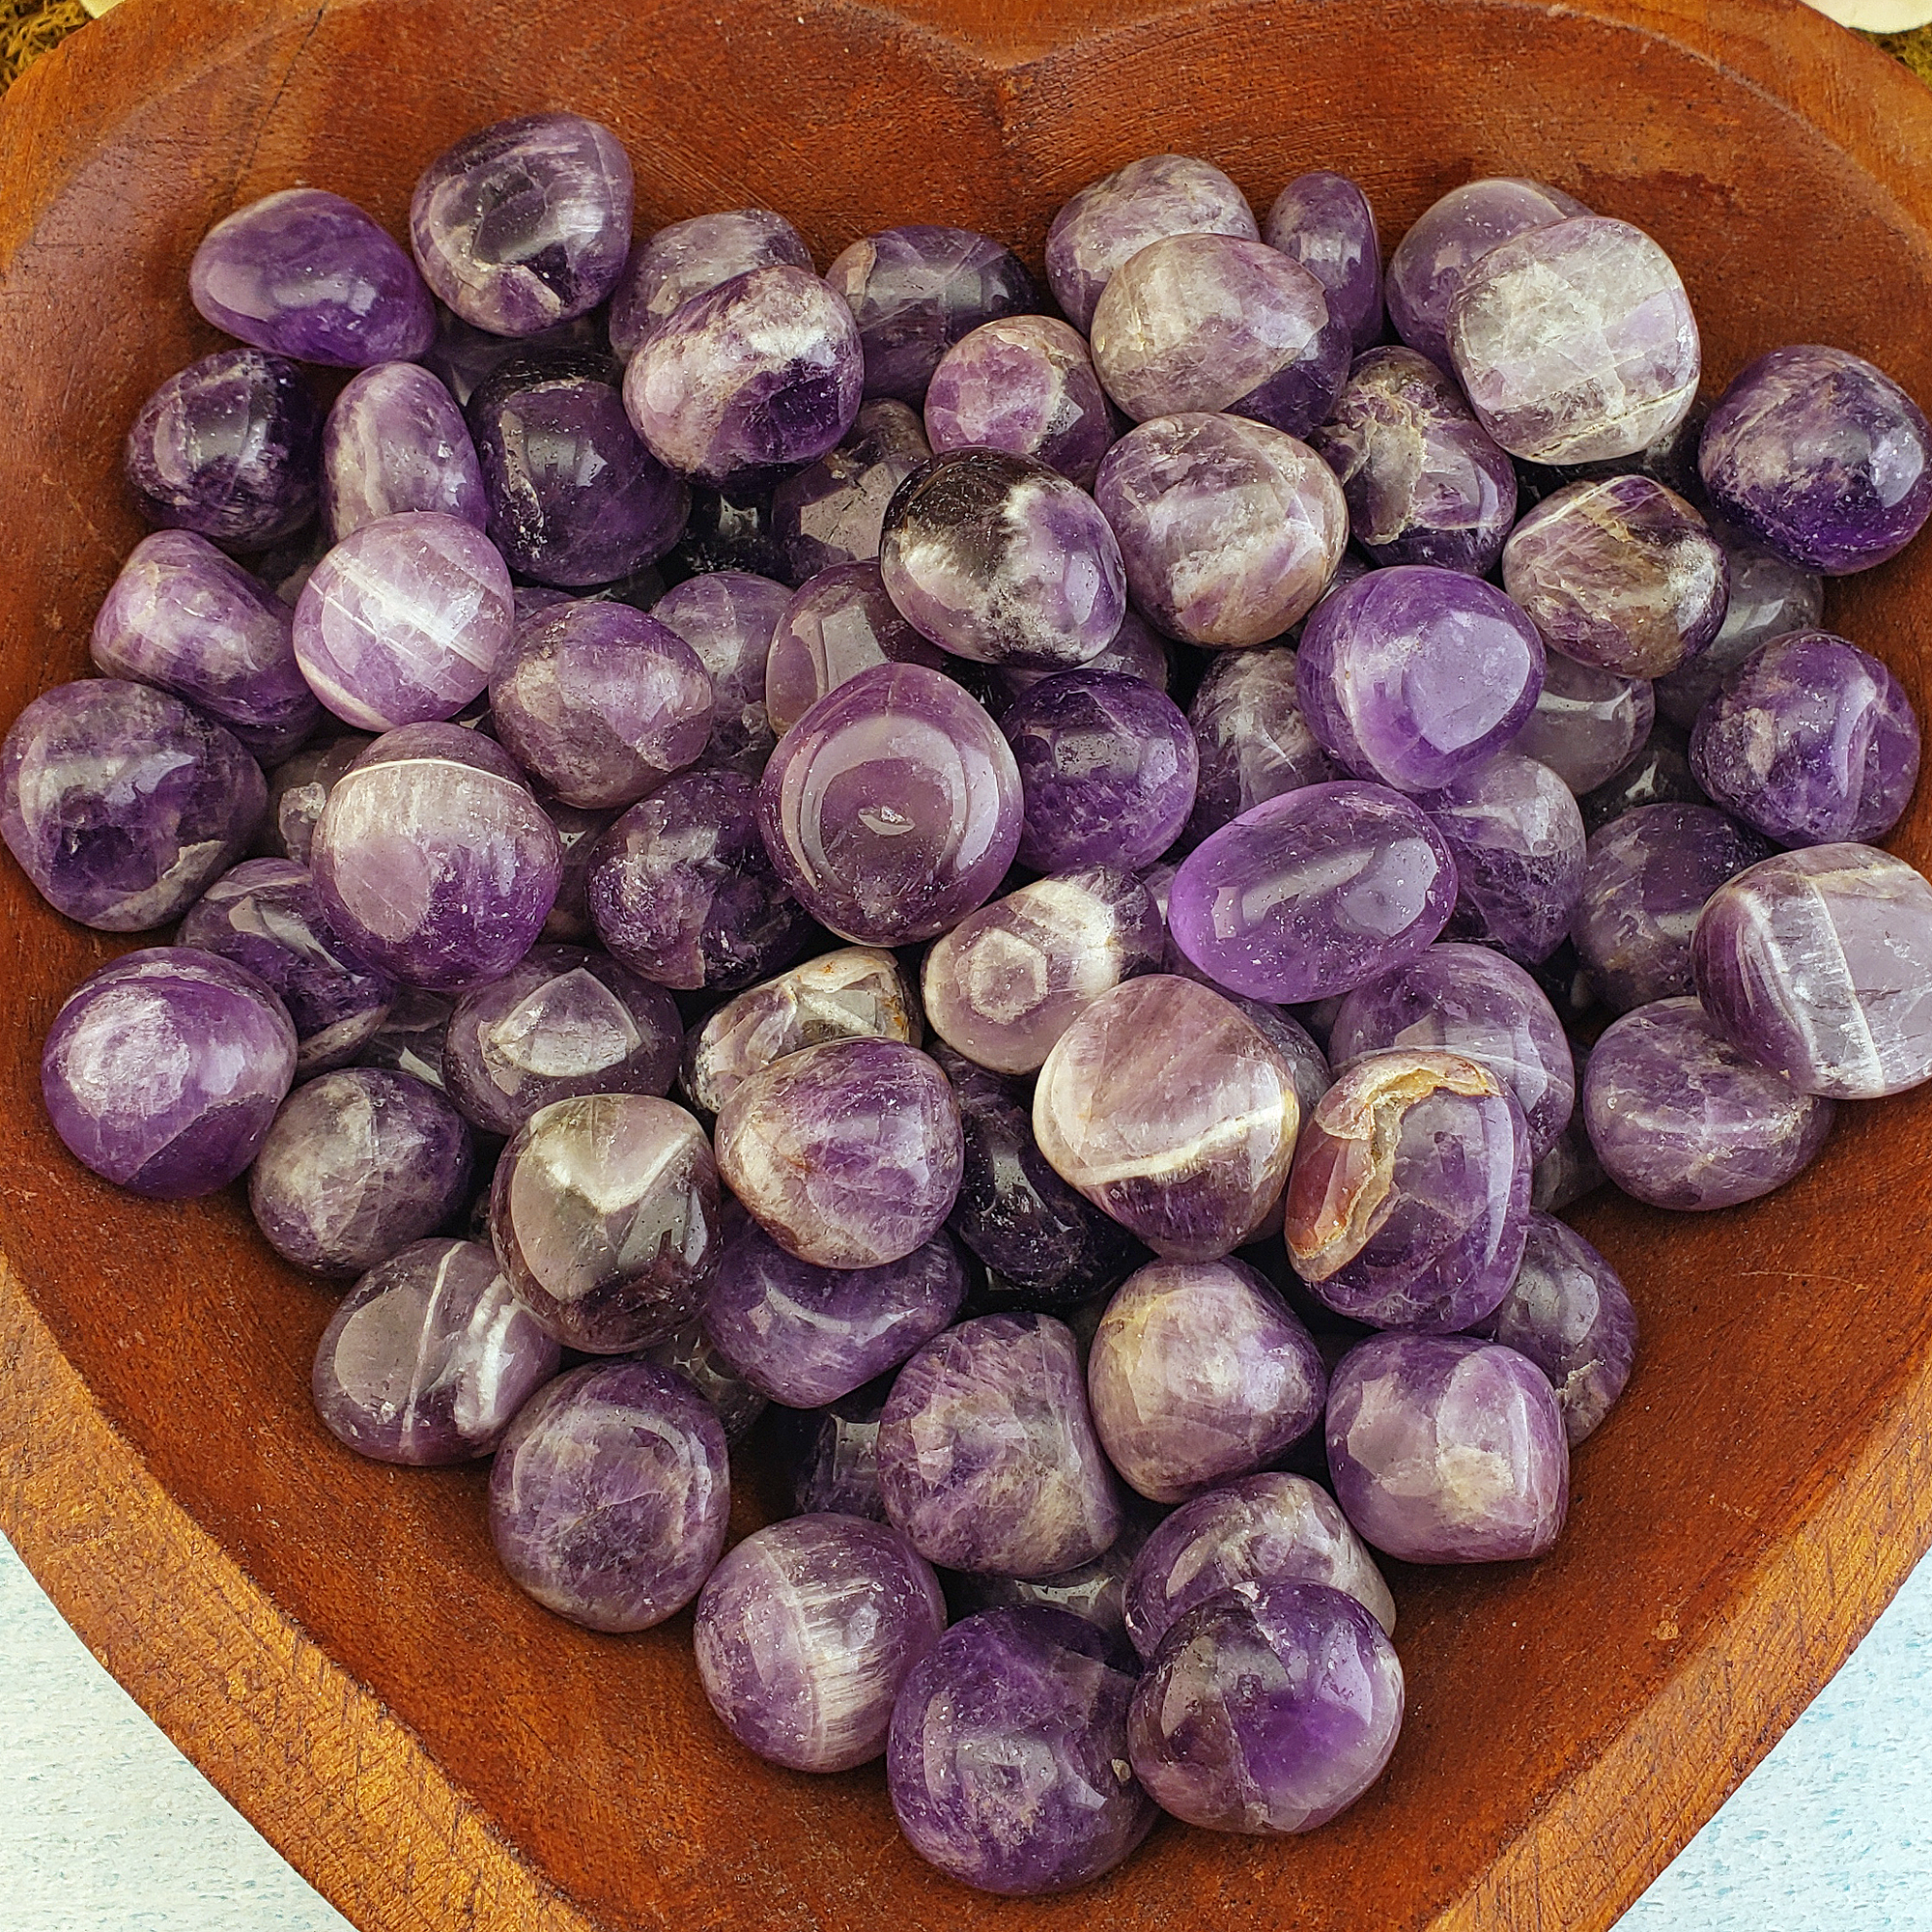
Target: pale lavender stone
{"x":163,"y":1069}
{"x":578,"y":831}
{"x":1768,"y":597}
{"x":1252,"y":740}
{"x":691,"y":258}
{"x":1819,"y":963}
{"x":1587,"y":724}
{"x":832,"y":511}
{"x":1680,"y":1119}
{"x":609,"y":1496}
{"x":1819,"y":457}
{"x":688,"y":1350}
{"x":804,"y":1633}
{"x":1658,"y":773}
{"x":836,"y":625}
{"x":1025,"y":385}
{"x":395,"y":440}
{"x":1811,"y":741}
{"x":827,"y":1458}
{"x":429,"y":1359}
{"x":229,"y":448}
{"x":1229,"y":531}
{"x":727,"y":618}
{"x":525,"y":223}
{"x":1324,"y":223}
{"x":1101,"y":228}
{"x":1137,"y":651}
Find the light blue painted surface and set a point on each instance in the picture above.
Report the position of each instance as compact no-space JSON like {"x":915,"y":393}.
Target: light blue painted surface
{"x":105,"y":1828}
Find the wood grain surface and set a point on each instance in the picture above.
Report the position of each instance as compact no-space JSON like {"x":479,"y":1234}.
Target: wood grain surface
{"x":330,"y":1639}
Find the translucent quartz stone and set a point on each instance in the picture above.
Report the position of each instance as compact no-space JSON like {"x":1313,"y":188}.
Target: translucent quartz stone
{"x":1680,"y":1118}
{"x":265,"y":915}
{"x":395,"y":440}
{"x":1658,"y":773}
{"x":433,"y":862}
{"x":805,"y":1631}
{"x":404,"y":620}
{"x":1324,"y":223}
{"x":727,"y":535}
{"x":727,"y":618}
{"x":1169,"y":1110}
{"x":525,"y":223}
{"x":1228,"y":530}
{"x":1473,"y":1002}
{"x":915,"y":290}
{"x":1587,"y":724}
{"x":1768,"y":597}
{"x":827,"y":1458}
{"x":604,"y":1213}
{"x":1648,"y":876}
{"x":1571,"y":1168}
{"x":307,"y":275}
{"x":429,"y":1359}
{"x":1252,"y":740}
{"x":574,"y":497}
{"x":892,"y":807}
{"x":1037,"y":1689}
{"x":691,"y":258}
{"x":689,"y":1351}
{"x":120,"y":803}
{"x":1811,"y":741}
{"x":1008,"y":980}
{"x":577,"y":833}
{"x":185,"y":618}
{"x":748,"y":380}
{"x":163,"y":1069}
{"x":1424,"y":482}
{"x":1312,"y":893}
{"x":1821,"y":458}
{"x":1137,"y":651}
{"x":562,"y":1022}
{"x":1263,"y":1528}
{"x":1570,"y":1315}
{"x":298,"y":788}
{"x":1198,"y":1372}
{"x":831,"y":512}
{"x":1108,"y":768}
{"x":987,"y":1456}
{"x":609,"y":1496}
{"x":1090,"y":1590}
{"x":998,"y":559}
{"x":1819,"y":963}
{"x":838,"y":624}
{"x":1415,"y":675}
{"x":805,"y":1336}
{"x":855,"y":993}
{"x":1267,"y":1709}
{"x":228,"y":448}
{"x":1452,"y":234}
{"x":1623,"y":574}
{"x":1025,"y":385}
{"x":601,"y":702}
{"x":1218,"y":323}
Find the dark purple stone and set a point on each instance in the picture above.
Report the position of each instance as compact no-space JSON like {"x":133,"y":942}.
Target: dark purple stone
{"x":827,"y":1458}
{"x":727,"y":535}
{"x":831,"y":512}
{"x":395,"y":440}
{"x":728,"y":618}
{"x":1252,"y":740}
{"x":1768,"y":598}
{"x":689,"y":1351}
{"x":578,"y":831}
{"x":465,"y":357}
{"x":691,"y":258}
{"x":1025,"y":385}
{"x":1324,"y":223}
{"x":838,"y":624}
{"x":1090,"y":1590}
{"x":1659,"y":774}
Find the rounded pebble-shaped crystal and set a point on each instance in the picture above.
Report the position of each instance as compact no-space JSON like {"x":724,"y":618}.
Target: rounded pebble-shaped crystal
{"x":1252,"y":740}
{"x":727,"y":618}
{"x":691,"y":258}
{"x":688,"y":1350}
{"x":1025,"y":385}
{"x":1657,"y":773}
{"x":1324,"y":223}
{"x":832,"y":511}
{"x":297,"y":790}
{"x":1138,"y":651}
{"x":395,"y":440}
{"x":1768,"y":598}
{"x":836,"y":625}
{"x":1588,"y":724}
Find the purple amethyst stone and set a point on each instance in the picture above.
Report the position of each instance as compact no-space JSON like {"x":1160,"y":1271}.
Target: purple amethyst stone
{"x":395,"y":440}
{"x":1324,"y":223}
{"x":838,"y":624}
{"x":832,"y":511}
{"x":689,"y":1351}
{"x":691,"y":258}
{"x":1252,"y":740}
{"x":1768,"y":598}
{"x":1587,"y":724}
{"x":1025,"y":385}
{"x":727,"y":618}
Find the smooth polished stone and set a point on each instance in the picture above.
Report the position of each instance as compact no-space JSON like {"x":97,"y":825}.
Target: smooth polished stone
{"x":1587,"y":724}
{"x":1230,"y":531}
{"x":1819,"y":963}
{"x":1474,"y":1002}
{"x":1647,"y":878}
{"x":525,"y":223}
{"x":1025,"y":385}
{"x":1324,"y":223}
{"x":465,"y":357}
{"x":689,"y":1351}
{"x":1263,"y":1528}
{"x":1166,"y":1107}
{"x":609,"y":1496}
{"x":727,"y":618}
{"x":1811,"y":741}
{"x":1680,"y":1119}
{"x":429,"y":1359}
{"x":836,"y":625}
{"x":120,"y":803}
{"x":892,"y":807}
{"x":298,"y":788}
{"x":395,"y":440}
{"x":832,"y":511}
{"x":804,"y":1633}
{"x":691,"y":258}
{"x":987,"y":1456}
{"x":1138,"y":651}
{"x":1090,"y":1590}
{"x":1312,"y":893}
{"x":848,"y":1153}
{"x":578,"y":831}
{"x":1199,"y":1371}
{"x":827,"y":1458}
{"x":1252,"y":741}
{"x":228,"y":447}
{"x":1768,"y":598}
{"x":1821,"y":457}
{"x":1658,"y":773}
{"x":163,"y":1069}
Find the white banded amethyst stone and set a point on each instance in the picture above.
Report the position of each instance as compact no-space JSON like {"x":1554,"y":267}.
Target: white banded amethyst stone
{"x":690,"y":258}
{"x":395,"y":440}
{"x":1323,"y":221}
{"x":1026,"y":385}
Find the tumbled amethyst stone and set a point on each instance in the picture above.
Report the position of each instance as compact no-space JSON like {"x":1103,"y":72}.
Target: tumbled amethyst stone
{"x":805,"y":1631}
{"x":1323,"y":221}
{"x":1587,"y":724}
{"x":836,"y":625}
{"x":163,"y":1069}
{"x":609,"y":1496}
{"x":228,"y":447}
{"x":1228,"y":530}
{"x":1138,"y":651}
{"x":1819,"y":963}
{"x":525,"y":223}
{"x":827,"y":1458}
{"x":1252,"y":740}
{"x":1768,"y":597}
{"x":1025,"y":385}
{"x":987,"y":1456}
{"x":915,"y":290}
{"x":465,"y":357}
{"x":395,"y":440}
{"x":831,"y":512}
{"x":691,"y":258}
{"x":428,"y":1359}
{"x":689,"y":1351}
{"x":727,"y":618}
{"x":1657,"y":773}
{"x":1819,"y":457}
{"x":755,"y":377}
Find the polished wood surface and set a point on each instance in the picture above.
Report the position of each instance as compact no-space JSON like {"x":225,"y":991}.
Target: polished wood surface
{"x":330,"y":1639}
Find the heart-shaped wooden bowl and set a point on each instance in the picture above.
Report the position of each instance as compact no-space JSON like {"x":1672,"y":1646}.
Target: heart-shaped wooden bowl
{"x":331,"y":1640}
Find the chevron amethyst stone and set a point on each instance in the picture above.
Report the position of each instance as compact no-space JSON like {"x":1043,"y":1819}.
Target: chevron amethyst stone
{"x":1324,"y":223}
{"x":1025,"y":385}
{"x":727,"y":618}
{"x":836,"y":625}
{"x":691,"y":258}
{"x":395,"y":440}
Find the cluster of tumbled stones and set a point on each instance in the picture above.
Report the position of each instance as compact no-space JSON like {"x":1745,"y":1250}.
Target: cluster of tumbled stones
{"x":1116,"y":830}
